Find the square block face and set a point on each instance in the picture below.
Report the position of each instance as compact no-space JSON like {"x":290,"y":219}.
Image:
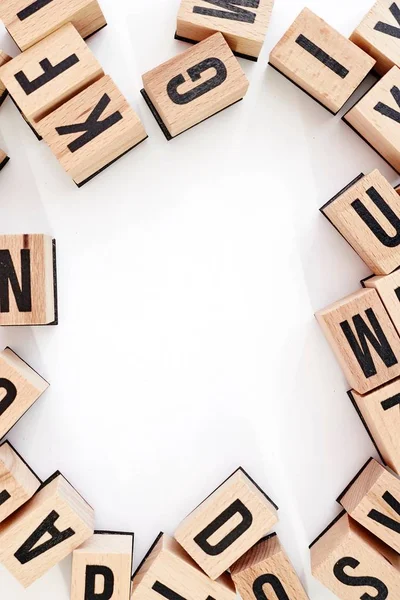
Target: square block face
{"x":243,"y":28}
{"x":363,"y":338}
{"x":29,"y":21}
{"x":50,"y":73}
{"x":376,"y":117}
{"x":367,"y":214}
{"x":18,"y":483}
{"x":45,"y":530}
{"x":92,"y":130}
{"x":322,"y":62}
{"x":225,"y":525}
{"x":195,"y":84}
{"x":27,"y":280}
{"x":4,"y":58}
{"x":388,"y":288}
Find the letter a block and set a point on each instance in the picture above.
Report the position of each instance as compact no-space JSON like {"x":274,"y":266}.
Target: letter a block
{"x":102,"y":567}
{"x":194,"y":86}
{"x":266,"y":567}
{"x":353,"y":564}
{"x":225,"y":525}
{"x":388,"y":288}
{"x":45,"y":530}
{"x":29,"y":21}
{"x":3,"y":159}
{"x":93,"y":130}
{"x":243,"y":24}
{"x":18,"y":482}
{"x":4,"y":58}
{"x":320,"y":61}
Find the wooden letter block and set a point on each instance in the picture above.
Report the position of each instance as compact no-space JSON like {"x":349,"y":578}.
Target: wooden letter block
{"x":194,"y":85}
{"x":3,"y":159}
{"x":388,"y":288}
{"x":50,"y":73}
{"x":243,"y":24}
{"x":367,"y":214}
{"x":92,"y":130}
{"x":266,"y":567}
{"x":319,"y":60}
{"x":27,"y":280}
{"x":29,"y":21}
{"x":167,"y":572}
{"x":45,"y":530}
{"x":225,"y":525}
{"x":18,"y":482}
{"x":4,"y":58}
{"x":373,"y":500}
{"x":102,"y":567}
{"x":354,"y":564}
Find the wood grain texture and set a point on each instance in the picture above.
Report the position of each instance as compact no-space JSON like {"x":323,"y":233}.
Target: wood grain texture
{"x":4,"y":59}
{"x":388,"y":288}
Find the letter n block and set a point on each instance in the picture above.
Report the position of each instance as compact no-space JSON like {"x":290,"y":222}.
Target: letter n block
{"x":225,"y":525}
{"x":18,"y":482}
{"x":3,"y":159}
{"x":4,"y":58}
{"x":320,"y":61}
{"x":194,"y":85}
{"x":264,"y":568}
{"x":354,"y":564}
{"x":45,"y":530}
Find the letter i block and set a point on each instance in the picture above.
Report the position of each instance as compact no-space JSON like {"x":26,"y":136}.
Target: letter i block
{"x":243,"y":24}
{"x":4,"y":58}
{"x":3,"y":159}
{"x":45,"y":530}
{"x":225,"y":525}
{"x":167,"y":572}
{"x":28,"y":280}
{"x":18,"y":482}
{"x":194,"y":86}
{"x":266,"y":567}
{"x":320,"y":61}
{"x":103,"y":562}
{"x":352,"y":563}
{"x":29,"y":21}
{"x":93,"y":130}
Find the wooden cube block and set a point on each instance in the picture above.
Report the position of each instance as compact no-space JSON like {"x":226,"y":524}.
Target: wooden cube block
{"x":18,"y":482}
{"x":225,"y":525}
{"x":354,"y":564}
{"x":267,"y":567}
{"x":194,"y":85}
{"x":379,"y":33}
{"x":50,"y":73}
{"x":243,"y":24}
{"x":102,"y":567}
{"x":4,"y":58}
{"x":45,"y":530}
{"x":27,"y":280}
{"x":365,"y":212}
{"x":363,"y":338}
{"x":168,"y":572}
{"x":321,"y":61}
{"x":3,"y":159}
{"x":373,"y":500}
{"x":388,"y":288}
{"x":29,"y":21}
{"x":93,"y":130}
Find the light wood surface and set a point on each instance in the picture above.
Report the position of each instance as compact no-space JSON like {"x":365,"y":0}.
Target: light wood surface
{"x":3,"y":157}
{"x":388,"y":288}
{"x":4,"y":58}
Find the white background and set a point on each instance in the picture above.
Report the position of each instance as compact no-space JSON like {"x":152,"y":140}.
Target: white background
{"x":188,"y":276}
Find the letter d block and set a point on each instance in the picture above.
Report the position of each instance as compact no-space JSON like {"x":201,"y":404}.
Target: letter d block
{"x":4,"y":58}
{"x":194,"y":86}
{"x":45,"y":530}
{"x":229,"y":522}
{"x":18,"y":482}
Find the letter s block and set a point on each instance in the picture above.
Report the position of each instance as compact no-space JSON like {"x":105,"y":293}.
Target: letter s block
{"x":194,"y":86}
{"x":225,"y":525}
{"x":18,"y":482}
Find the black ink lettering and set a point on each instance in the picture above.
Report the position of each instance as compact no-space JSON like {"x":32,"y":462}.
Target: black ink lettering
{"x":322,"y":56}
{"x":165,"y":591}
{"x":4,"y":496}
{"x":352,"y":581}
{"x":235,"y":13}
{"x":388,"y":111}
{"x":390,"y":29}
{"x":384,"y":520}
{"x":49,"y":73}
{"x":32,"y":9}
{"x":391,"y":402}
{"x":23,"y":293}
{"x":195,"y":74}
{"x":93,"y":571}
{"x":11,"y":394}
{"x":391,"y":241}
{"x":274,"y":582}
{"x":30,"y":550}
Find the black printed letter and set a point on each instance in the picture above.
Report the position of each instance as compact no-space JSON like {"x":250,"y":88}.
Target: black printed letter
{"x":90,"y":582}
{"x":352,"y":581}
{"x":165,"y":591}
{"x":235,"y":14}
{"x":49,"y":73}
{"x":4,"y":496}
{"x":274,"y":582}
{"x":391,"y":241}
{"x":322,"y":56}
{"x":195,"y":74}
{"x":390,"y":29}
{"x":388,"y":111}
{"x":30,"y":550}
{"x":377,"y":516}
{"x":23,"y":293}
{"x":32,"y":9}
{"x":11,"y":394}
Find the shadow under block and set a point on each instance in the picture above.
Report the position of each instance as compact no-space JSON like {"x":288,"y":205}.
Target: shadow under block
{"x":92,"y":130}
{"x":56,"y":521}
{"x":51,"y":72}
{"x":195,"y":85}
{"x":168,"y":572}
{"x":373,"y":500}
{"x":321,"y":61}
{"x":102,"y":567}
{"x":226,"y":524}
{"x":29,"y":21}
{"x":363,"y":339}
{"x":388,"y":288}
{"x":3,"y":159}
{"x":354,"y":564}
{"x":267,"y":567}
{"x":4,"y":58}
{"x":27,"y":280}
{"x":18,"y":483}
{"x":243,"y":28}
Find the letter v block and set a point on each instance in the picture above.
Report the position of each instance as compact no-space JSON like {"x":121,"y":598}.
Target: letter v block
{"x":18,"y":482}
{"x":194,"y":86}
{"x":4,"y":58}
{"x":45,"y":530}
{"x":3,"y":159}
{"x":225,"y":525}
